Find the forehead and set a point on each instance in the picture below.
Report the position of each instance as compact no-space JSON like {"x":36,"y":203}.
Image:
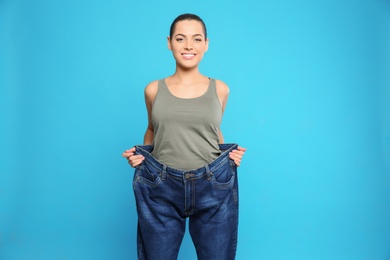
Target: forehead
{"x":189,"y":27}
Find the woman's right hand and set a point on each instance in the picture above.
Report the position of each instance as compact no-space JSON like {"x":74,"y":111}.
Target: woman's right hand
{"x":133,"y":160}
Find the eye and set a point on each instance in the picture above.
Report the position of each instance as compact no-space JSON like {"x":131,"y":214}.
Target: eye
{"x":179,"y":39}
{"x":198,"y":39}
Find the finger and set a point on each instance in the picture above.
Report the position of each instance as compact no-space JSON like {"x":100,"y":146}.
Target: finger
{"x":241,"y":148}
{"x":238,"y":151}
{"x":132,"y":164}
{"x":237,"y":162}
{"x":127,"y":154}
{"x":135,"y":163}
{"x":236,"y":158}
{"x":136,"y":159}
{"x":235,"y":155}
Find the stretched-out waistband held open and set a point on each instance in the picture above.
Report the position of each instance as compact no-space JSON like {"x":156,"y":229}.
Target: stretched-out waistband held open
{"x":225,"y":149}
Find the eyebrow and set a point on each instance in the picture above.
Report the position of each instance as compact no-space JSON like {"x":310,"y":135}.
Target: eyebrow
{"x":195,"y":35}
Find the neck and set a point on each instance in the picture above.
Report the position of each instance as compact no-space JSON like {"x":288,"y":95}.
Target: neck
{"x":187,"y":75}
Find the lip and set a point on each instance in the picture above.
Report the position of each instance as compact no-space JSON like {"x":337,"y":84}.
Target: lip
{"x":188,"y":56}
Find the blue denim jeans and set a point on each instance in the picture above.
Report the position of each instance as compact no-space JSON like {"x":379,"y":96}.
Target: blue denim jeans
{"x":166,"y":197}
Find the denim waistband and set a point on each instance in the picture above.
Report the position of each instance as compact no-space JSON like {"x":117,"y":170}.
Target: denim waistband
{"x":146,"y":150}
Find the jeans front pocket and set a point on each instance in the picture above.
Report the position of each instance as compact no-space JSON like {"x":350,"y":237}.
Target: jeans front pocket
{"x":224,"y":176}
{"x":148,"y":175}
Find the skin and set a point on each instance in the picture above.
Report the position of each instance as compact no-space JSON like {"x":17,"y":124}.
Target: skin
{"x":188,"y":46}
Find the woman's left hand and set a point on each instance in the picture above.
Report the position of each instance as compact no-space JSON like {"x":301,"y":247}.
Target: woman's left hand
{"x":237,"y":154}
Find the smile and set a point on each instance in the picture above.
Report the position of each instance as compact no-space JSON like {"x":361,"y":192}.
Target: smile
{"x":188,"y":56}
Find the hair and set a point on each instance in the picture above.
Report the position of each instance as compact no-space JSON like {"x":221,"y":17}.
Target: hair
{"x":189,"y":17}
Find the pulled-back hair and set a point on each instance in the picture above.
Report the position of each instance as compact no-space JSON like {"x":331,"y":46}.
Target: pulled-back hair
{"x":189,"y":17}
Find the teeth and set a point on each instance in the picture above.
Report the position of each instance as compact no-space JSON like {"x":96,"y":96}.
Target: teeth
{"x":188,"y":55}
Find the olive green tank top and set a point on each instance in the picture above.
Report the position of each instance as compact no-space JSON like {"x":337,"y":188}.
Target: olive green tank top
{"x":186,"y":129}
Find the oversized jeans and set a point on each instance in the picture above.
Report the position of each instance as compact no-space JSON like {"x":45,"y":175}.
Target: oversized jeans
{"x":166,"y":197}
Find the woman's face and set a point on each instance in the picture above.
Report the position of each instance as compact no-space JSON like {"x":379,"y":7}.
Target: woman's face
{"x":188,"y":43}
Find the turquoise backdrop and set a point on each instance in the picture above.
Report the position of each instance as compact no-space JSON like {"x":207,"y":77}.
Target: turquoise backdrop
{"x":310,"y":99}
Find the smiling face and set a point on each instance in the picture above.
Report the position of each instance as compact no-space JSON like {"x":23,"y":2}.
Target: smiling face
{"x":188,"y":43}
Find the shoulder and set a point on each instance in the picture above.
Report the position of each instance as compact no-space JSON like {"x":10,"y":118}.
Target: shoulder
{"x":151,"y":89}
{"x":150,"y":92}
{"x":222,"y":88}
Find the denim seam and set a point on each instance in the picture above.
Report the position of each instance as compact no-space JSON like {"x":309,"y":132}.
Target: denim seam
{"x":222,"y":186}
{"x":142,"y":180}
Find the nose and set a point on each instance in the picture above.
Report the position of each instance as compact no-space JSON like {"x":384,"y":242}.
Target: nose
{"x":188,"y":45}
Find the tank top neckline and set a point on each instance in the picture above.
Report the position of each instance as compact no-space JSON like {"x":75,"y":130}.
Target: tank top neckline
{"x":204,"y":94}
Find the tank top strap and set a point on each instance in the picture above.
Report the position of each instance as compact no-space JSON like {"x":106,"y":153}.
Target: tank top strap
{"x":213,"y":87}
{"x":163,"y":87}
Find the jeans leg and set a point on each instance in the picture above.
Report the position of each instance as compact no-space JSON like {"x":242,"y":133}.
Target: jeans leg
{"x":214,"y":224}
{"x":161,"y":225}
{"x":160,"y":242}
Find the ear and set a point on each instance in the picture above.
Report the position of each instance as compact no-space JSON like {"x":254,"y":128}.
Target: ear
{"x":207,"y":44}
{"x":169,"y":43}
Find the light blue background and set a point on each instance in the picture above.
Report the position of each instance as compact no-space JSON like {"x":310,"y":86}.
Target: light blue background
{"x":310,"y":99}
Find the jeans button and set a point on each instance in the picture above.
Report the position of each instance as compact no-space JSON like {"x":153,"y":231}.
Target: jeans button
{"x":189,"y":175}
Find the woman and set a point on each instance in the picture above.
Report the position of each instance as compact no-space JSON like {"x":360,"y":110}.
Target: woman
{"x":184,"y":170}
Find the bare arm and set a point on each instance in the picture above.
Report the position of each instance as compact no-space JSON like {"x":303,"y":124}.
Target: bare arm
{"x":150,"y":94}
{"x":223,"y":94}
{"x":221,"y":140}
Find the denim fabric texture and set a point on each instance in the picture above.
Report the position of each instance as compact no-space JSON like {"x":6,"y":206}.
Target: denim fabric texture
{"x":166,"y":197}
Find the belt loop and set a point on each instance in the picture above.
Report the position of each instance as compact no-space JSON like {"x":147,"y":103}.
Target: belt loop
{"x":208,"y":173}
{"x":207,"y":169}
{"x":164,"y":173}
